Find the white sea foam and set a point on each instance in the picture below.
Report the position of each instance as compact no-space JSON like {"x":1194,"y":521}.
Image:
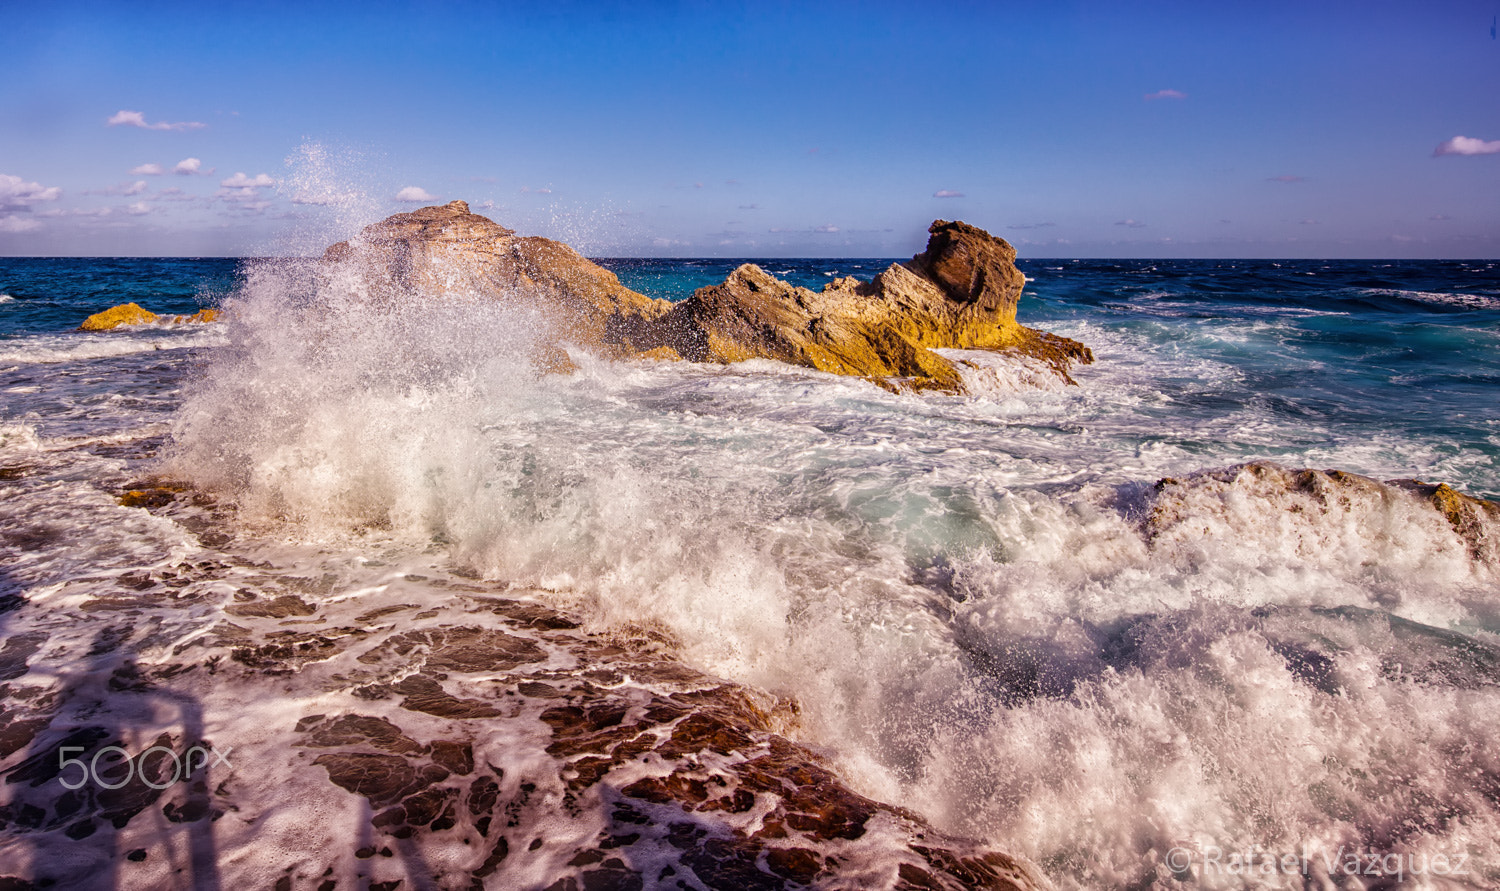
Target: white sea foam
{"x":1440,"y":298}
{"x":6,"y":298}
{"x":83,"y":346}
{"x":962,"y":593}
{"x":1001,"y":375}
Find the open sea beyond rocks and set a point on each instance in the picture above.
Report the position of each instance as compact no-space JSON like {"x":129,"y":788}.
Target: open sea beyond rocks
{"x":1106,"y":629}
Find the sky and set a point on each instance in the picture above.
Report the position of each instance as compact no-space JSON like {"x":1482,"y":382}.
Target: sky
{"x":1085,"y":129}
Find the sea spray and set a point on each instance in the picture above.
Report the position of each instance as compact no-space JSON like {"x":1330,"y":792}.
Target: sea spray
{"x":984,"y":609}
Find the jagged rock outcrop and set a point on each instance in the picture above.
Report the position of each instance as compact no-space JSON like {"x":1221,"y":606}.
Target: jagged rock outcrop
{"x":133,"y":314}
{"x":959,"y":293}
{"x":449,"y":250}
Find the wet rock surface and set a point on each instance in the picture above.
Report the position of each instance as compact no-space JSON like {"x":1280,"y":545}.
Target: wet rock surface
{"x":130,"y":314}
{"x":374,"y":728}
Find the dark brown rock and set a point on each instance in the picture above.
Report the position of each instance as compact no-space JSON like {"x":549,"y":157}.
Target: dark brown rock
{"x":279,"y":608}
{"x":461,"y":649}
{"x":424,"y":694}
{"x":384,"y":779}
{"x":347,"y":730}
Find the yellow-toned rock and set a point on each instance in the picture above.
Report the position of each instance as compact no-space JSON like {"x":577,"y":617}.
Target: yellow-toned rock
{"x":959,"y":293}
{"x":115,"y":316}
{"x":134,"y":314}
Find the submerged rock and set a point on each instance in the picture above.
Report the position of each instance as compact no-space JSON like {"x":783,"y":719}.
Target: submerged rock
{"x":959,"y":293}
{"x":134,"y":314}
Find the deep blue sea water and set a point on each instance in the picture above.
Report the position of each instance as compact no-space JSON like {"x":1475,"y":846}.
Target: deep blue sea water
{"x":983,"y":605}
{"x":1356,"y":349}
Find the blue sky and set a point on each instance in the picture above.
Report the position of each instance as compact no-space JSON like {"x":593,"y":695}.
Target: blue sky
{"x":1120,"y":129}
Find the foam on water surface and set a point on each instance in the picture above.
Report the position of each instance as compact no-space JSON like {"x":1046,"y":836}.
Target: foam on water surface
{"x":983,"y":608}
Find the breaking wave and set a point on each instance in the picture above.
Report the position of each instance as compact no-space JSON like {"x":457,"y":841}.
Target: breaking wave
{"x":984,"y":606}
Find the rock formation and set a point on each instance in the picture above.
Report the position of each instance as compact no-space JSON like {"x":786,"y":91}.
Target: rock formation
{"x":133,"y":314}
{"x":1347,"y":499}
{"x":449,"y":251}
{"x":959,"y":293}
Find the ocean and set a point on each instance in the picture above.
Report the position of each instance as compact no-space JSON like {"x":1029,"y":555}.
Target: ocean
{"x":1087,"y":625}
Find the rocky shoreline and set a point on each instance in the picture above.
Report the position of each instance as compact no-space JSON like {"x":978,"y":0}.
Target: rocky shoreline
{"x":482,"y":740}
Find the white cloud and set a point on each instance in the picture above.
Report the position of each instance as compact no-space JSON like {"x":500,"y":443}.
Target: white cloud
{"x":1465,"y":145}
{"x":15,"y":193}
{"x":414,"y":194}
{"x":542,"y":191}
{"x":190,"y":166}
{"x":139,"y":208}
{"x":1131,"y":224}
{"x":123,"y":118}
{"x":245,"y":190}
{"x":147,"y":170}
{"x":16,"y":198}
{"x":1165,"y":94}
{"x":947,"y":193}
{"x":827,"y":230}
{"x":241,"y":181}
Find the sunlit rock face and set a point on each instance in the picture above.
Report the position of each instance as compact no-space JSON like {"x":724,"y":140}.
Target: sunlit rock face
{"x":960,"y":293}
{"x":131,"y":314}
{"x":449,"y":252}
